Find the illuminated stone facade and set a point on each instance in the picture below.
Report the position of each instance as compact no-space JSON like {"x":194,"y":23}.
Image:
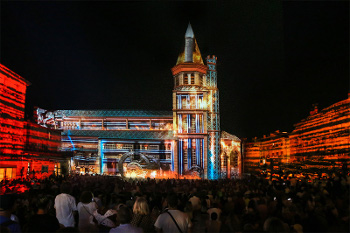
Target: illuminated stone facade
{"x":322,"y":140}
{"x":41,"y":149}
{"x":231,"y":163}
{"x":24,"y":146}
{"x":267,"y":153}
{"x":319,"y":142}
{"x":185,"y":141}
{"x":12,"y":95}
{"x":100,"y":138}
{"x":196,"y":111}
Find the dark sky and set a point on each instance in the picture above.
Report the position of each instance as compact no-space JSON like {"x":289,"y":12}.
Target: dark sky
{"x":275,"y":59}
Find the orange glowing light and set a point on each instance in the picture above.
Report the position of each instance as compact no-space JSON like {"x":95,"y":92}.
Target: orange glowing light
{"x":158,"y":174}
{"x":197,"y":57}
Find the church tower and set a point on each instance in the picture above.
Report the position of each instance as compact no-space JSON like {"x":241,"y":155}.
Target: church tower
{"x":196,"y":118}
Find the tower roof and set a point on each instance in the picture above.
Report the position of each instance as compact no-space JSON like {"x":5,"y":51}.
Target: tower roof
{"x":189,"y":32}
{"x":197,"y":57}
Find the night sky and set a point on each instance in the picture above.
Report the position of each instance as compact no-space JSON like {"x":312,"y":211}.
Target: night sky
{"x":275,"y":59}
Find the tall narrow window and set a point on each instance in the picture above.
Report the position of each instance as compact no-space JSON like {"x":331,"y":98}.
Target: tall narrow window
{"x":185,"y":150}
{"x":193,"y":124}
{"x":194,"y":158}
{"x":192,"y":79}
{"x":185,"y":80}
{"x":184,"y":123}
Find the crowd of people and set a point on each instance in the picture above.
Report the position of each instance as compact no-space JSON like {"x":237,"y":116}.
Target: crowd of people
{"x":257,"y":203}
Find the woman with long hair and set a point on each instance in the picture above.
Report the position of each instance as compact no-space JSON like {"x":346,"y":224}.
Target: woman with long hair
{"x":141,"y":215}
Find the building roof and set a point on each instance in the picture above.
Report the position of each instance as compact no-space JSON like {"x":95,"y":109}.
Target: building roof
{"x":189,"y":32}
{"x":113,"y":113}
{"x":225,"y":135}
{"x":197,"y":57}
{"x":6,"y":71}
{"x":123,"y":134}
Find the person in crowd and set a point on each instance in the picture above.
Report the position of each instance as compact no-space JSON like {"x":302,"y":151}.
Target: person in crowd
{"x":7,"y":207}
{"x":297,"y":228}
{"x":124,"y":217}
{"x":275,"y":225}
{"x":189,"y":209}
{"x":42,"y":221}
{"x":142,"y":217}
{"x":311,"y":205}
{"x":86,"y":207}
{"x":196,"y":202}
{"x":213,"y":224}
{"x":204,"y":205}
{"x":215,"y":209}
{"x":172,"y":220}
{"x":106,"y":220}
{"x":97,"y":198}
{"x":120,"y":205}
{"x":65,"y":206}
{"x":208,"y":202}
{"x":68,"y":230}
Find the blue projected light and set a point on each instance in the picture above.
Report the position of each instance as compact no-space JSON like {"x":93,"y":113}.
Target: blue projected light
{"x":102,"y":156}
{"x":210,"y":166}
{"x":188,"y":123}
{"x":70,"y":139}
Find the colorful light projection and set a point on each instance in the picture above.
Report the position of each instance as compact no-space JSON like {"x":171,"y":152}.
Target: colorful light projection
{"x":213,"y":120}
{"x":40,"y":140}
{"x":191,"y":51}
{"x":194,"y":124}
{"x":318,"y":143}
{"x":149,"y":154}
{"x":196,"y":111}
{"x":12,"y":101}
{"x":25,"y":147}
{"x":104,"y":119}
{"x":231,"y":158}
{"x":158,"y":174}
{"x":322,"y":140}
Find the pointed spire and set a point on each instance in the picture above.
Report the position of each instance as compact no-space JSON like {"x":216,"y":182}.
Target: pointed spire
{"x":189,"y":32}
{"x":191,"y":53}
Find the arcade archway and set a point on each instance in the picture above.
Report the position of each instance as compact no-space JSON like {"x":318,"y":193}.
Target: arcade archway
{"x":136,"y":165}
{"x":196,"y":171}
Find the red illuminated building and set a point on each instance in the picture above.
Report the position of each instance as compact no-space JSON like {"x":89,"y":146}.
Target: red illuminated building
{"x":24,"y":146}
{"x":41,"y":149}
{"x":318,"y":143}
{"x":12,"y":96}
